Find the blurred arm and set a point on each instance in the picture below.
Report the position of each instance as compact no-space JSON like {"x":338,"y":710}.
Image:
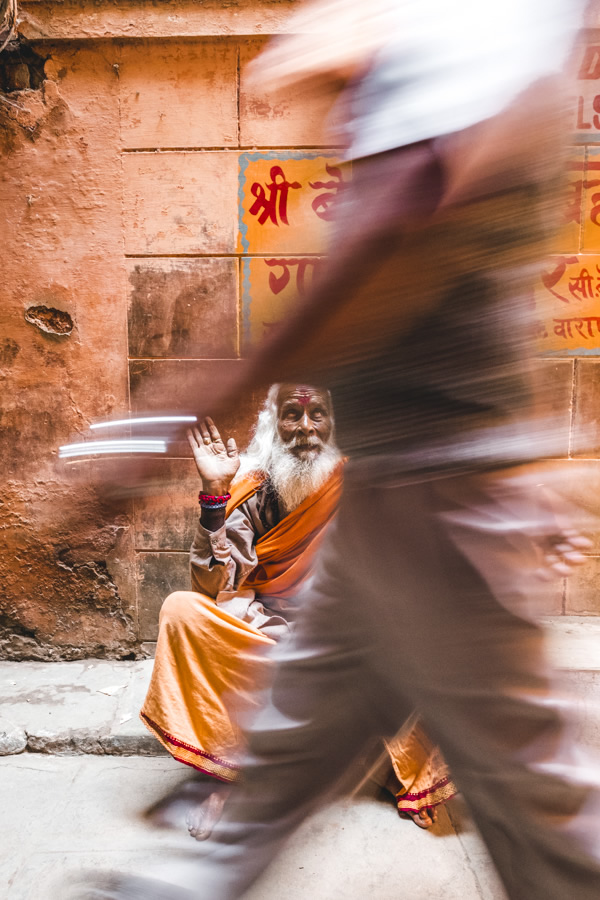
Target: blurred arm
{"x":329,"y":41}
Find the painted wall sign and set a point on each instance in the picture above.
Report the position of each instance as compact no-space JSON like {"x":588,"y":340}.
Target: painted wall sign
{"x":568,"y":299}
{"x":286,"y":202}
{"x":568,"y":291}
{"x":586,"y":99}
{"x":270,"y":285}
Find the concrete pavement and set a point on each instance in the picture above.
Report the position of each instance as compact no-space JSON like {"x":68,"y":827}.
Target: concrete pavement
{"x":72,"y":802}
{"x":62,"y":815}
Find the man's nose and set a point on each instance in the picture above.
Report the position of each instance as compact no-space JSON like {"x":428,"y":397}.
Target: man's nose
{"x":306,"y":425}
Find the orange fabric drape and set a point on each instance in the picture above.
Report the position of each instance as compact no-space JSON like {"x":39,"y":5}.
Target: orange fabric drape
{"x":285,"y":554}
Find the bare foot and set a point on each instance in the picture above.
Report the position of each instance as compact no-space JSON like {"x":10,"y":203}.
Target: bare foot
{"x":425,"y":818}
{"x":201,"y":819}
{"x":170,"y":811}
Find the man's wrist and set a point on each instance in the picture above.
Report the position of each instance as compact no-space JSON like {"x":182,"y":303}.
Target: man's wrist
{"x":215,"y":488}
{"x":212,"y":519}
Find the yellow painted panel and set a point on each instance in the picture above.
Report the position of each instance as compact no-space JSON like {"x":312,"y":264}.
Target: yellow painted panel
{"x":270,"y":286}
{"x":568,"y":306}
{"x":286,"y":200}
{"x":591,"y":186}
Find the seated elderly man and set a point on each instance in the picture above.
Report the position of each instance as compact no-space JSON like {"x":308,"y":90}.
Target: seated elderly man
{"x":262,"y":517}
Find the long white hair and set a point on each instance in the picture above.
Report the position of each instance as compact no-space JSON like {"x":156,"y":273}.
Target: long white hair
{"x":257,"y":456}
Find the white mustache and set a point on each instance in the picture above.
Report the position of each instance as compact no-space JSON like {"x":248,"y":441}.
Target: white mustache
{"x":311,"y":442}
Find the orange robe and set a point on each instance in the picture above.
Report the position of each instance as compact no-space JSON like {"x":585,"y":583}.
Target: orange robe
{"x":209,"y":662}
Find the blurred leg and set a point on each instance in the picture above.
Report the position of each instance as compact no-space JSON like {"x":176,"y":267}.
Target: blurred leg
{"x":450,"y":626}
{"x":425,"y":621}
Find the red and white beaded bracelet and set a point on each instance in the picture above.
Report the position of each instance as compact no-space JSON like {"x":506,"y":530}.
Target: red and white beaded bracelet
{"x":209,"y":501}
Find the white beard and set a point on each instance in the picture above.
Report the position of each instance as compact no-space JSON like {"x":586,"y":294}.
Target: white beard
{"x":295,"y":479}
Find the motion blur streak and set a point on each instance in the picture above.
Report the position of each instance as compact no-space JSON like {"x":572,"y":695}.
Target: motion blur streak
{"x":92,"y":448}
{"x":146,"y":420}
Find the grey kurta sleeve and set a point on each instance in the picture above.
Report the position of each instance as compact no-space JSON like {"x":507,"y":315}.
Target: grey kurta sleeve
{"x":221,"y":560}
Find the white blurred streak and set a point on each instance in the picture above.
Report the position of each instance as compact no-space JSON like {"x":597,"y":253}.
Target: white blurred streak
{"x":146,"y":420}
{"x":93,"y":448}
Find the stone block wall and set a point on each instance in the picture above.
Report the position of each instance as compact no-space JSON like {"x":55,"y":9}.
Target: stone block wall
{"x":121,"y":211}
{"x":120,"y":208}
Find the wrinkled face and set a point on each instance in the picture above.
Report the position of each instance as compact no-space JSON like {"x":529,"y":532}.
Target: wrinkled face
{"x":303,"y":420}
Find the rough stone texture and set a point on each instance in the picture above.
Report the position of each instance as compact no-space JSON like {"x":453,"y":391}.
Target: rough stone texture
{"x":179,"y":95}
{"x":12,"y":738}
{"x":582,"y":594}
{"x":182,"y":203}
{"x":52,"y":321}
{"x":75,"y":308}
{"x":159,"y":574}
{"x":183,"y":308}
{"x":79,"y":707}
{"x":586,"y":421}
{"x":67,"y":588}
{"x":60,"y":592}
{"x":292,"y":118}
{"x":88,"y":742}
{"x":167,"y":519}
{"x":89,"y":19}
{"x":553,"y":383}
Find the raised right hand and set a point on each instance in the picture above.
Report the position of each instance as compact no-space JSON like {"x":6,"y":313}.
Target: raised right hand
{"x":216,"y":462}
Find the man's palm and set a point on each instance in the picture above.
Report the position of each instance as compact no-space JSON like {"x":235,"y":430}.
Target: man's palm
{"x":216,"y":462}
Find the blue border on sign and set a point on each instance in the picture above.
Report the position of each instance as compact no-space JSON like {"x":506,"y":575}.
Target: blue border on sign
{"x":564,"y":354}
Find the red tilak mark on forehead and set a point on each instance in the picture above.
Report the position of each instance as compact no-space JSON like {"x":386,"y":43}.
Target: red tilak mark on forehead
{"x":304,"y":397}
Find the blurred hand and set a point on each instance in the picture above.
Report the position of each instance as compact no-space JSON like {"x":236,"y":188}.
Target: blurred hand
{"x":564,"y":555}
{"x":216,"y":462}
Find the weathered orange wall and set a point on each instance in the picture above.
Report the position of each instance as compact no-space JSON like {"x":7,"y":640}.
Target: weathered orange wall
{"x":119,"y":198}
{"x":119,"y":195}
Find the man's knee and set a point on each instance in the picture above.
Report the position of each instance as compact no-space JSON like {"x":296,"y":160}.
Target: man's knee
{"x":176,"y":609}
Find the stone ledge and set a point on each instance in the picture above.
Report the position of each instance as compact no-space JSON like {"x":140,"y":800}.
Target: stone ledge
{"x":45,"y":20}
{"x":91,"y":706}
{"x":88,"y":706}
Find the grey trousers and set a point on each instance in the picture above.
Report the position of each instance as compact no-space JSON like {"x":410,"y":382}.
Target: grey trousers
{"x":424,"y":596}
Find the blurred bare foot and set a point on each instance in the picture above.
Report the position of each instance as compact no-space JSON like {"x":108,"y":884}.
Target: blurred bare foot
{"x":171,"y":810}
{"x":424,"y":818}
{"x":201,"y":819}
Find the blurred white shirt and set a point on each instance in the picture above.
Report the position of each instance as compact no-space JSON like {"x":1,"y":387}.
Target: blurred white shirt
{"x":448,"y":64}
